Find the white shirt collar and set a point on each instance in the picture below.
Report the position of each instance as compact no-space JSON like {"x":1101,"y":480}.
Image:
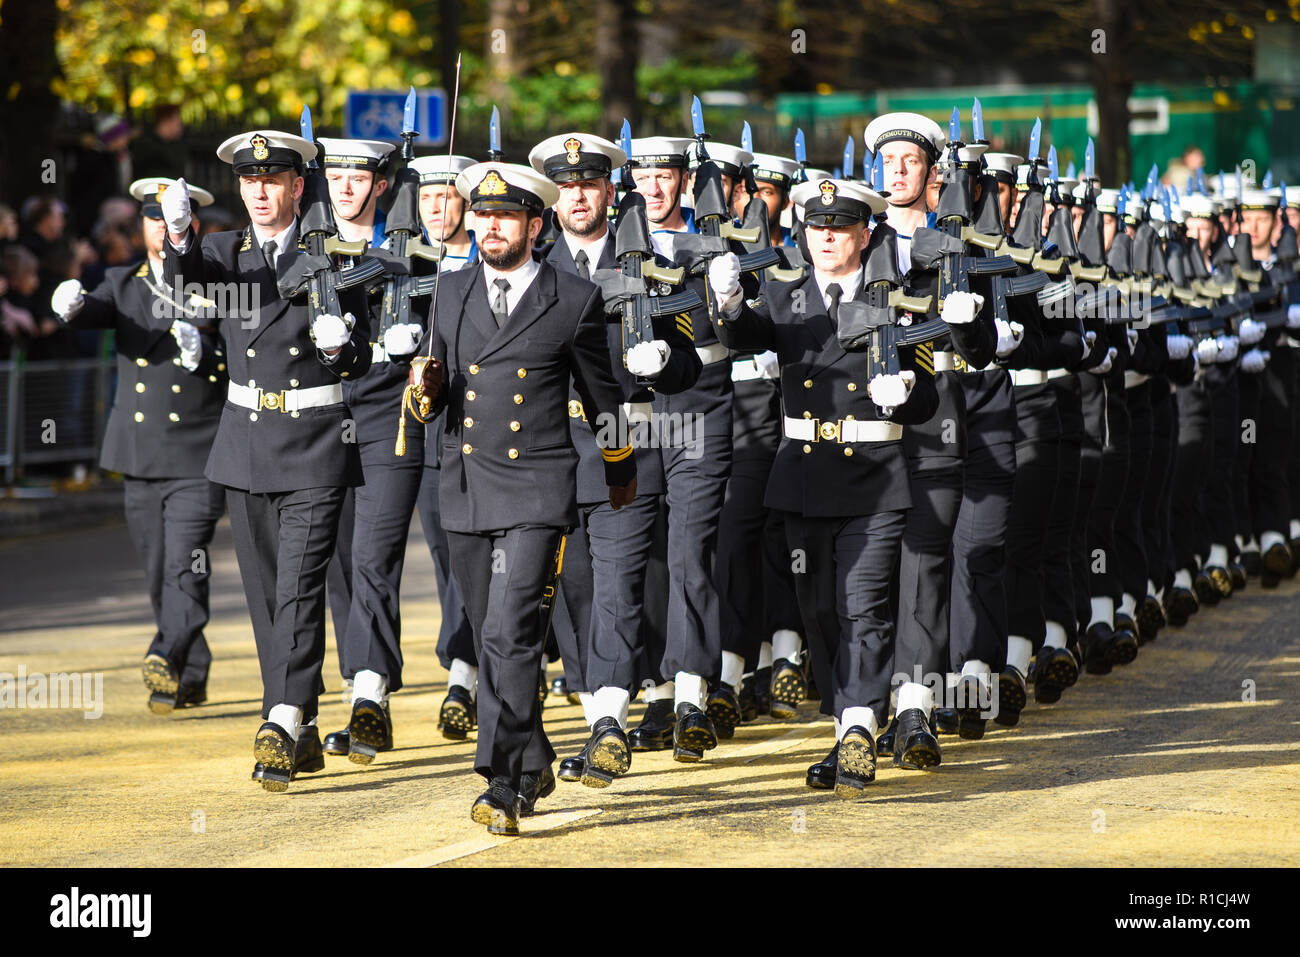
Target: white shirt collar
{"x":520,"y":279}
{"x":849,"y":286}
{"x":285,"y":239}
{"x":594,"y":250}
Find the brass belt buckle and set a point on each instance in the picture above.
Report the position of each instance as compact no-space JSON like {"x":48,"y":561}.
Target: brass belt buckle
{"x":830,"y":431}
{"x":275,"y":401}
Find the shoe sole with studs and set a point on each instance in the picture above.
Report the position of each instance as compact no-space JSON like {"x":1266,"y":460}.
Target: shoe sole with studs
{"x":367,"y":735}
{"x":161,"y":680}
{"x":275,"y":754}
{"x":725,"y":718}
{"x":454,"y":721}
{"x":495,"y":821}
{"x":856,"y":768}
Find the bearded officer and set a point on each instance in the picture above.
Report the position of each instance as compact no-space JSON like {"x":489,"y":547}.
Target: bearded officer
{"x":511,"y":333}
{"x":171,"y":385}
{"x":285,"y":447}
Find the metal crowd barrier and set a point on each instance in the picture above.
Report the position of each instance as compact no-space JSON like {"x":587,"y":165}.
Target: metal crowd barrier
{"x":52,"y":411}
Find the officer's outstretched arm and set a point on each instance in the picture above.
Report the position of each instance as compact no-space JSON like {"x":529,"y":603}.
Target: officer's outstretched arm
{"x":746,"y":328}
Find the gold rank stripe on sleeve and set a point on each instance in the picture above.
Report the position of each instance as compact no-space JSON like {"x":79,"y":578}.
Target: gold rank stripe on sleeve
{"x":616,"y":455}
{"x":143,"y":270}
{"x":684,"y":325}
{"x":925,"y":356}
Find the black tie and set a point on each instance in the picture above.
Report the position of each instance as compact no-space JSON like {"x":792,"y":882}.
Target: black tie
{"x":268,"y":252}
{"x":581,"y":259}
{"x":835,"y":292}
{"x":500,"y":311}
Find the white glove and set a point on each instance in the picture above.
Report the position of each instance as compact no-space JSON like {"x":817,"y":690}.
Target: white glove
{"x":1250,"y":331}
{"x":1293,"y":316}
{"x":1207,"y":351}
{"x":891,"y":391}
{"x":960,"y":308}
{"x":1132,"y":336}
{"x":1227,"y":348}
{"x":1254,"y":360}
{"x":176,"y":207}
{"x":1105,"y":365}
{"x":1009,"y":336}
{"x":1089,"y":338}
{"x":724,"y":277}
{"x":1178,"y":346}
{"x":647,"y":359}
{"x":769,"y":363}
{"x":330,"y":332}
{"x":188,"y":340}
{"x":68,"y":298}
{"x":403,"y":338}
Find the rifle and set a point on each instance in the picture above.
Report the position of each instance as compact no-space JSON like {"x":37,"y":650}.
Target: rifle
{"x":946,"y":246}
{"x":315,"y":273}
{"x":637,"y":289}
{"x":713,"y":219}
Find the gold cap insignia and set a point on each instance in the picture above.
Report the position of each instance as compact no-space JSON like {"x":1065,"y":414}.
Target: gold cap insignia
{"x":572,"y":144}
{"x":492,"y":185}
{"x":162,"y":188}
{"x":260,"y":152}
{"x":828,"y":192}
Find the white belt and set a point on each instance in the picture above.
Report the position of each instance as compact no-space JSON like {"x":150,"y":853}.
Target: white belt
{"x":1293,"y":343}
{"x":1058,"y":373}
{"x":1028,"y":376}
{"x":712,"y":353}
{"x":1132,"y":379}
{"x":637,"y":411}
{"x":290,"y":400}
{"x":746,"y":370}
{"x":842,"y":430}
{"x":945,"y":361}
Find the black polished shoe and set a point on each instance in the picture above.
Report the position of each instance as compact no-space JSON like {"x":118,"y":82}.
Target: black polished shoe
{"x":1237,"y":573}
{"x":945,"y":720}
{"x":337,"y":743}
{"x":560,"y":687}
{"x":273,"y":750}
{"x":789,"y":687}
{"x":1206,"y":593}
{"x":914,"y":746}
{"x":1277,"y":560}
{"x":498,"y":808}
{"x":693,"y":735}
{"x":1251,"y":562}
{"x":308,"y":758}
{"x":572,"y":769}
{"x":1075,"y":648}
{"x":1221,"y":579}
{"x":655,"y":732}
{"x":1055,"y":669}
{"x":1097,"y":645}
{"x":1013,"y":695}
{"x":1150,"y":619}
{"x":458,"y":715}
{"x":534,"y":787}
{"x":748,"y":703}
{"x":369,"y":732}
{"x":192,"y":695}
{"x":1180,"y":605}
{"x":855,"y":763}
{"x":607,"y":754}
{"x":762,"y":684}
{"x":1124,"y":649}
{"x":723,"y":709}
{"x":821,"y":776}
{"x":970,"y":712}
{"x":885,"y":740}
{"x":163,"y":683}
